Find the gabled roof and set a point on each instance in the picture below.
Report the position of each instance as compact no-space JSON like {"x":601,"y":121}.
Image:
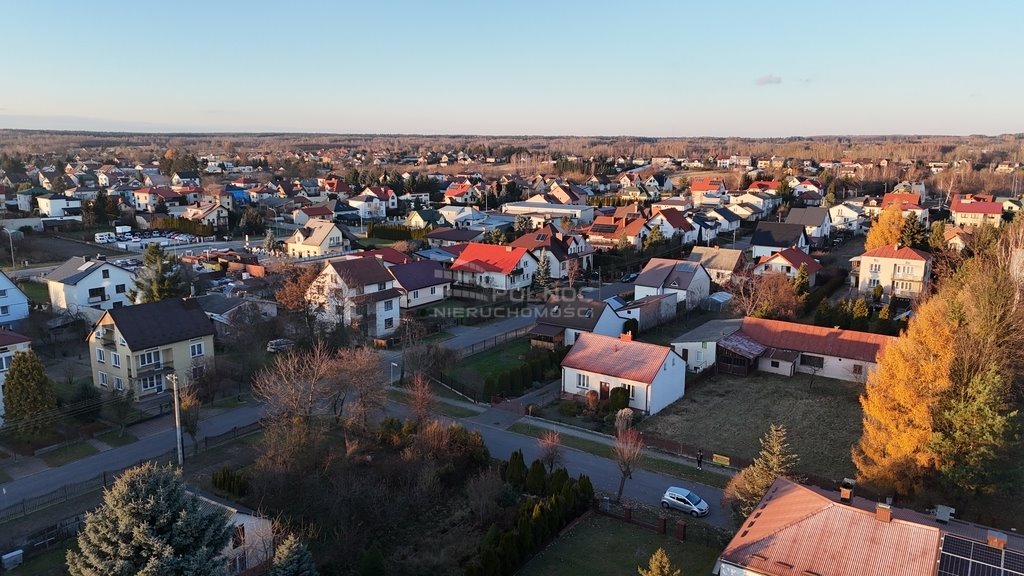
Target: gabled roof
{"x":629,"y":360}
{"x":389,"y":255}
{"x":904,"y":201}
{"x":801,"y":530}
{"x":478,"y":258}
{"x":456,"y":190}
{"x":812,"y":216}
{"x":968,"y":205}
{"x":715,"y":258}
{"x":703,"y":184}
{"x":710,"y":331}
{"x":360,"y":271}
{"x":547,"y":237}
{"x":418,"y":275}
{"x":675,"y":219}
{"x":428,"y":215}
{"x":8,"y":338}
{"x":219,"y":303}
{"x":315,"y":232}
{"x":454,"y":234}
{"x":726,"y":214}
{"x":154,"y":324}
{"x":795,"y":257}
{"x":762,"y":185}
{"x":667,"y":273}
{"x":862,"y":346}
{"x":777,"y":234}
{"x":78,"y":268}
{"x":899,"y":252}
{"x":317,"y":211}
{"x":578,"y":314}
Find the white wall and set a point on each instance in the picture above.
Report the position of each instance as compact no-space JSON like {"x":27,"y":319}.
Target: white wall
{"x":15,"y":302}
{"x":783,"y":367}
{"x":838,"y":368}
{"x":668,"y":386}
{"x":422,"y":296}
{"x":699,"y":355}
{"x":64,"y":296}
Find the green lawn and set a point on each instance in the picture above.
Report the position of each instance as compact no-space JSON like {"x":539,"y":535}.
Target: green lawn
{"x":728,"y":414}
{"x":69,"y":453}
{"x":36,"y":292}
{"x":475,"y":368}
{"x":112,"y":437}
{"x":652,"y":463}
{"x":232,"y":402}
{"x":52,"y":563}
{"x":599,"y":546}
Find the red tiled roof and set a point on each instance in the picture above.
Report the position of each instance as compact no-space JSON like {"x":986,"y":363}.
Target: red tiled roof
{"x":795,"y":257}
{"x":630,"y":360}
{"x":478,"y":257}
{"x":317,"y":211}
{"x":797,"y":530}
{"x":382,"y":192}
{"x":8,"y":338}
{"x":906,"y":201}
{"x":764,"y":185}
{"x":972,"y":206}
{"x":702,"y":184}
{"x":850,"y":344}
{"x":456,"y":190}
{"x":902,"y":253}
{"x":675,"y":218}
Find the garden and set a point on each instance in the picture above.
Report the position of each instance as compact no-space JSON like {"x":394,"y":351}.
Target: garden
{"x":505,"y":371}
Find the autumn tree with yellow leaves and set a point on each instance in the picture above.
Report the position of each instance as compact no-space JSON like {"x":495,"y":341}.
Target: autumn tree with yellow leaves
{"x":887,"y":230}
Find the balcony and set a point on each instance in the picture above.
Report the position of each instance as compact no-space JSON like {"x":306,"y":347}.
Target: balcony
{"x":153,"y":369}
{"x":907,"y":276}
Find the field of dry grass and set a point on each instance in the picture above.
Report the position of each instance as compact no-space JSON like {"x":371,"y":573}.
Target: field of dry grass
{"x":728,"y":415}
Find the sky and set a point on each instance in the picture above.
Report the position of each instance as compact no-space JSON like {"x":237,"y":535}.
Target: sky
{"x":556,"y":67}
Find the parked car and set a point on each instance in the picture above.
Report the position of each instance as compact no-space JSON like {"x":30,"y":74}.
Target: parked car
{"x":629,"y":277}
{"x":685,"y":501}
{"x":280,"y":345}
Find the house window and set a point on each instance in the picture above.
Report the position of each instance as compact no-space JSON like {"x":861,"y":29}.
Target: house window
{"x":198,"y":371}
{"x":582,"y":380}
{"x":389,"y":305}
{"x":119,"y":289}
{"x":415,"y":294}
{"x":121,"y":342}
{"x":812,"y":361}
{"x":699,"y":357}
{"x":873,"y":282}
{"x":775,"y":363}
{"x":118,"y":383}
{"x":875,"y":268}
{"x":115,"y":359}
{"x":5,"y":363}
{"x":381,"y":286}
{"x":238,"y":537}
{"x":106,"y":273}
{"x":150,"y":357}
{"x":100,"y":355}
{"x":3,"y":293}
{"x":5,"y":310}
{"x":196,"y":349}
{"x":433,"y":290}
{"x":103,"y":379}
{"x":858,"y":369}
{"x":150,"y":382}
{"x":389,"y":323}
{"x":631,"y":389}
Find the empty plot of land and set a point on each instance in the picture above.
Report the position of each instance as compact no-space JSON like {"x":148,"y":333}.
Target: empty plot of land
{"x":728,"y":415}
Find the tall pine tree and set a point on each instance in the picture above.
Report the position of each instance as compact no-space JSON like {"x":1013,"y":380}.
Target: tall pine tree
{"x":748,"y":486}
{"x":157,"y":279}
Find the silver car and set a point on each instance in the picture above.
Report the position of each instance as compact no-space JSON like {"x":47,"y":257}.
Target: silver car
{"x":685,"y":501}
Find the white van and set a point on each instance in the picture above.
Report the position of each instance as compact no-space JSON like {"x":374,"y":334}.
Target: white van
{"x":105,"y":237}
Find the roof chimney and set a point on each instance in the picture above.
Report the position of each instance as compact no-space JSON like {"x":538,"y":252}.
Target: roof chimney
{"x":996,"y":539}
{"x":883,"y":512}
{"x":846,"y":490}
{"x":626,"y":336}
{"x":943,"y":514}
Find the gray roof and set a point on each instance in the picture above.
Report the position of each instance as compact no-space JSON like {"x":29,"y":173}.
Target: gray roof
{"x":717,"y":258}
{"x":813,"y":216}
{"x":420,"y":274}
{"x":163,"y":322}
{"x":577,"y":314}
{"x":710,"y":331}
{"x":663,"y":272}
{"x":76,"y":269}
{"x":777,"y":234}
{"x":219,"y":303}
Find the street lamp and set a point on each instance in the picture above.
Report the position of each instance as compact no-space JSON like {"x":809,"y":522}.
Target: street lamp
{"x":393,"y":366}
{"x":177,"y":419}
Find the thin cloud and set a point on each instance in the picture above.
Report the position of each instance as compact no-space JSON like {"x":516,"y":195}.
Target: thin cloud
{"x":768,"y":79}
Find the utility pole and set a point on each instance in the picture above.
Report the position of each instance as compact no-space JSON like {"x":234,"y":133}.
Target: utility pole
{"x":177,"y":419}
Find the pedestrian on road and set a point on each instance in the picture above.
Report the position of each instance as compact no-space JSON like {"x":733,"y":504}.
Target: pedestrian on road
{"x":700,"y":459}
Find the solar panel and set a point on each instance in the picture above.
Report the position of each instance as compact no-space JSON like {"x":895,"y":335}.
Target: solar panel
{"x":987,"y":554}
{"x":958,"y":546}
{"x":962,"y":557}
{"x":1013,"y":561}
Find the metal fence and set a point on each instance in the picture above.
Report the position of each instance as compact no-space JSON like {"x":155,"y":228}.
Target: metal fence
{"x":103,"y":479}
{"x":491,"y":342}
{"x":684,"y":529}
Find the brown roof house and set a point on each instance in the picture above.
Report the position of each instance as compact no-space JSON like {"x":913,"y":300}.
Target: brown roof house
{"x":143,"y":346}
{"x":357,"y":292}
{"x":562,"y":320}
{"x":421,"y":282}
{"x":653,"y":375}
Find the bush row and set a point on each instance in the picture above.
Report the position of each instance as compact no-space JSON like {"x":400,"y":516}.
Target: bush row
{"x":185,"y":225}
{"x":517,"y":379}
{"x":394,"y":232}
{"x":231,"y":481}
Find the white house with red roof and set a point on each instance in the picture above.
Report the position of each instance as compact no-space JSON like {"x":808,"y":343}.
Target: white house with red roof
{"x":788,"y":262}
{"x":966,"y":210}
{"x":494,"y":266}
{"x":147,"y":199}
{"x":654,"y":376}
{"x":673,"y":222}
{"x":900,"y":270}
{"x":461,"y":193}
{"x":10,"y":344}
{"x":369,"y":206}
{"x":385,"y":194}
{"x":707,"y":191}
{"x":303,"y":215}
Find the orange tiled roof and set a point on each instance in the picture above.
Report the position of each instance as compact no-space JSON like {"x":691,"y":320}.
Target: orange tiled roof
{"x":795,"y":257}
{"x":630,"y":360}
{"x":478,"y":257}
{"x":851,"y":344}
{"x":900,"y":252}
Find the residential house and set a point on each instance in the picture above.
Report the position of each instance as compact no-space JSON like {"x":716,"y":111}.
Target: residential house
{"x":317,"y":238}
{"x":767,"y":202}
{"x":673,"y":224}
{"x":461,"y":193}
{"x":10,"y":344}
{"x":359,"y":293}
{"x":421,"y":282}
{"x":303,"y":215}
{"x":914,"y":187}
{"x":720,"y":263}
{"x":600,"y":183}
{"x":545,"y":212}
{"x":677,"y":202}
{"x":441,"y":237}
{"x":966,"y":210}
{"x":252,"y":536}
{"x":640,"y":192}
{"x":900,"y":270}
{"x":147,"y":199}
{"x":233,"y":315}
{"x":847,"y":218}
{"x":653,"y":376}
{"x":494,"y":266}
{"x":462,"y":216}
{"x":58,"y":206}
{"x":788,"y":262}
{"x":817,"y":223}
{"x":560,"y":248}
{"x":707,"y":191}
{"x":649,"y":311}
{"x":386,"y":195}
{"x":426,"y":218}
{"x":728,"y":220}
{"x":186,"y":178}
{"x":568,"y":194}
{"x":771,"y":237}
{"x":907,"y":203}
{"x":956,"y":238}
{"x":13,"y":304}
{"x":688,"y":280}
{"x":369,"y":207}
{"x":609,"y":232}
{"x":697,"y":347}
{"x":142,"y":347}
{"x":785,"y":348}
{"x":746,"y":212}
{"x":213,"y":215}
{"x":560,"y":322}
{"x":85,"y":282}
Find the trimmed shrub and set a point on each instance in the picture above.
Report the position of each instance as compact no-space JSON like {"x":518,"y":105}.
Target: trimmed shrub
{"x":515,"y":473}
{"x":230,"y":481}
{"x":536,"y":478}
{"x":569,"y":408}
{"x":618,"y":398}
{"x":526,"y":376}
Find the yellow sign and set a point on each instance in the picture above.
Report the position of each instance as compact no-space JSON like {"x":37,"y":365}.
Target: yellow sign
{"x":720,"y":459}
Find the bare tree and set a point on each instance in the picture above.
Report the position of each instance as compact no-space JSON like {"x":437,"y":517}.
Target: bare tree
{"x":483,"y":491}
{"x":550,"y":444}
{"x":300,"y":384}
{"x":362,"y":371}
{"x":421,"y":398}
{"x":573,"y":272}
{"x":627,"y":452}
{"x":189,"y":405}
{"x":764,"y":296}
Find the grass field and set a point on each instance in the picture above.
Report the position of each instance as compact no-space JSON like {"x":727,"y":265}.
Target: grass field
{"x":69,"y":453}
{"x":599,"y":546}
{"x":728,"y":415}
{"x":37,"y":292}
{"x":492,"y":362}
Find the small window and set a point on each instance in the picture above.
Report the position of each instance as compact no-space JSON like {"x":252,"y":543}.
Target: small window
{"x":858,"y":369}
{"x":3,"y":293}
{"x":5,"y":363}
{"x":119,"y":289}
{"x":582,"y":380}
{"x":115,"y":359}
{"x":5,"y":310}
{"x":118,"y":383}
{"x":415,"y":294}
{"x":433,"y":290}
{"x":196,"y":349}
{"x":106,"y":273}
{"x":381,"y":286}
{"x":389,"y":323}
{"x":198,"y":371}
{"x":812,"y":361}
{"x":100,"y":355}
{"x":103,"y":379}
{"x":389,"y":305}
{"x":775,"y":363}
{"x":121,"y":342}
{"x":632,"y":391}
{"x":238,"y":537}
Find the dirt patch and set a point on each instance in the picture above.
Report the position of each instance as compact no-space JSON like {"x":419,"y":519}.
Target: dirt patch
{"x":728,"y":415}
{"x":44,"y":248}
